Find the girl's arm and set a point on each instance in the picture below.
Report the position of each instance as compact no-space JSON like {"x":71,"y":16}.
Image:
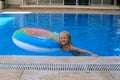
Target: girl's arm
{"x":82,"y":51}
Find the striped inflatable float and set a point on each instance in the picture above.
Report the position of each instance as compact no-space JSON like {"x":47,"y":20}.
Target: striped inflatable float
{"x":36,"y":39}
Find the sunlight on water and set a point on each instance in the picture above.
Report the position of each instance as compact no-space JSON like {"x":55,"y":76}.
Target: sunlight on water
{"x":5,"y":20}
{"x":16,"y":12}
{"x":98,"y":33}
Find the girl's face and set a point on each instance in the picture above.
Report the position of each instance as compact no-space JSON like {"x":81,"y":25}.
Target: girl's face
{"x":64,"y":38}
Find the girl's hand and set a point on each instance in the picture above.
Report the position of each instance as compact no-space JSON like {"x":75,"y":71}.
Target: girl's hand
{"x":94,"y":55}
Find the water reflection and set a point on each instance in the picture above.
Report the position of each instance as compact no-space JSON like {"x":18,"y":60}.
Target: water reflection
{"x":98,"y":33}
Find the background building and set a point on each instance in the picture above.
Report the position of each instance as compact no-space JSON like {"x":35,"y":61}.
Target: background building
{"x":63,"y":2}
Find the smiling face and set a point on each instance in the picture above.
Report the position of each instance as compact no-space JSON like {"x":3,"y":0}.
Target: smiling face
{"x":64,"y":38}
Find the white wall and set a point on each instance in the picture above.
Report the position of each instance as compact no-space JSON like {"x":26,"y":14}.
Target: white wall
{"x":14,"y":1}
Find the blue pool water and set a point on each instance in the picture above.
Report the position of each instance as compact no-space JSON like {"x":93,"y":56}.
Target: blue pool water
{"x":98,"y":33}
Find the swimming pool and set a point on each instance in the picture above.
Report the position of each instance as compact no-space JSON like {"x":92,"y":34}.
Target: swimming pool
{"x":99,"y":33}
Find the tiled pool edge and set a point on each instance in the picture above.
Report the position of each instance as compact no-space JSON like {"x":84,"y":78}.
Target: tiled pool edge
{"x":59,"y":59}
{"x":60,"y":63}
{"x":30,"y":61}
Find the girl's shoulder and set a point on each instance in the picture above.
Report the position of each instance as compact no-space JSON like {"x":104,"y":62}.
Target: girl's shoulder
{"x":73,"y":48}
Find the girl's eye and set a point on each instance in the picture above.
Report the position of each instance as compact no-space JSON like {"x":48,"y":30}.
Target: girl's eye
{"x":65,"y":37}
{"x":60,"y":37}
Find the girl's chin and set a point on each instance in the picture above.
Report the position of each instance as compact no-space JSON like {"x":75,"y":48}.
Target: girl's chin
{"x":63,"y":43}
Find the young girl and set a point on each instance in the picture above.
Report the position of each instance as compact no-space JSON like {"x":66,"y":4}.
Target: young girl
{"x":65,"y":43}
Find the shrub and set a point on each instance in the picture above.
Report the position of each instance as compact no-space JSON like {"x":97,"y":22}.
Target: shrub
{"x":2,"y":0}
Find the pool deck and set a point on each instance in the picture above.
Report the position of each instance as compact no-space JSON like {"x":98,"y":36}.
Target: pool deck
{"x":95,"y":7}
{"x":65,"y":10}
{"x":28,"y":74}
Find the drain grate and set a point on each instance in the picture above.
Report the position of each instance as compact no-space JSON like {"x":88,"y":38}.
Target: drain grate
{"x":61,"y":67}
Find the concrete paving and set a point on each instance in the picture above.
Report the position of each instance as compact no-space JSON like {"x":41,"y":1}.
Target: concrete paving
{"x":15,"y":74}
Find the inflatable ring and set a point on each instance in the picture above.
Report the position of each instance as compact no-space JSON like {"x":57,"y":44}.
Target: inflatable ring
{"x":36,"y":39}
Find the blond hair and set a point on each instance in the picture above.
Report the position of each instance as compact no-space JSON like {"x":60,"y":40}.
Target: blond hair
{"x":69,"y":36}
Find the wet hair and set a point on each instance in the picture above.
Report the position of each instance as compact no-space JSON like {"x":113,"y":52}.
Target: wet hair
{"x":69,"y":36}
